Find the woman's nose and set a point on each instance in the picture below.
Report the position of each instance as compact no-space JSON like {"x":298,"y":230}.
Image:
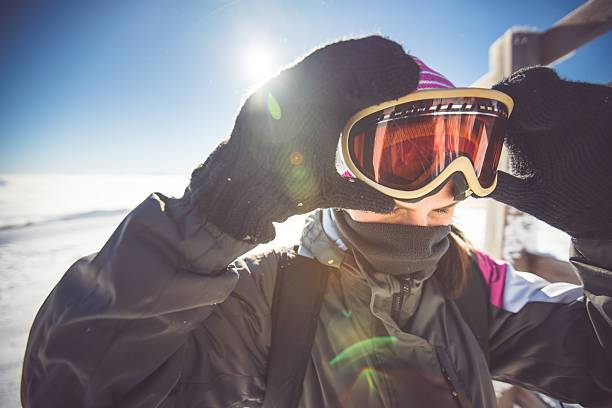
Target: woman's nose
{"x":416,"y":218}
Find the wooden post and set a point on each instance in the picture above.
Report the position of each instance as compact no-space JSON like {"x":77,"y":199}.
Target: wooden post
{"x":510,"y":232}
{"x":582,"y":25}
{"x":518,"y":234}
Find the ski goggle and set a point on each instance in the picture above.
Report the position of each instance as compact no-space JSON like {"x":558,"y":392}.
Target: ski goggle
{"x":407,"y":148}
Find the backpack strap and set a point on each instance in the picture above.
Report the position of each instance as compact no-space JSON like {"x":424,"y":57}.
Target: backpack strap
{"x":296,"y":303}
{"x":472,"y":302}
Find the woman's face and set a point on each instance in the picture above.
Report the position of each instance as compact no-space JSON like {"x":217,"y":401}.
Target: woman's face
{"x":437,"y":209}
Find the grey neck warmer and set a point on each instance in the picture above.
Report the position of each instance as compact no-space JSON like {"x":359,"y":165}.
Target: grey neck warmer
{"x":399,"y":250}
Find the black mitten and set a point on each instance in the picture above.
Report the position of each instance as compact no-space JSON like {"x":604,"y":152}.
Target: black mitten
{"x":280,"y":158}
{"x":560,"y":143}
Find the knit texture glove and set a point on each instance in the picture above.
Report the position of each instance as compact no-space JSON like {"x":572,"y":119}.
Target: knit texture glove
{"x":280,"y":157}
{"x":560,"y":143}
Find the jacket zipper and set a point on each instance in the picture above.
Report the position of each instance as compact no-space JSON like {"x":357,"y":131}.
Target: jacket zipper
{"x":398,"y":299}
{"x":453,"y":390}
{"x":396,"y":309}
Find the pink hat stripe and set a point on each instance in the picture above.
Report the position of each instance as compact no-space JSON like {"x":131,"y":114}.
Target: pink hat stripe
{"x":426,"y":74}
{"x":441,"y":81}
{"x":433,"y":85}
{"x":429,"y":78}
{"x":440,"y":78}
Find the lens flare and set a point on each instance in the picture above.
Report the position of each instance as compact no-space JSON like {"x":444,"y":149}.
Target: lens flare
{"x":273,"y":107}
{"x":362,"y":349}
{"x":300,"y":183}
{"x":296,"y":158}
{"x":369,"y":375}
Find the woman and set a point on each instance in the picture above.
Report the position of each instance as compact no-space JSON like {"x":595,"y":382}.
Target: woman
{"x":167,"y":314}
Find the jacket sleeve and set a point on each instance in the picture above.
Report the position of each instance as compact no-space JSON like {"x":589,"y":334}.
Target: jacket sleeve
{"x":113,"y":331}
{"x":555,"y":338}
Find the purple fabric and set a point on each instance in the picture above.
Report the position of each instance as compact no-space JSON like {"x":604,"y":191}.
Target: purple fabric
{"x":494,"y":273}
{"x":429,"y":78}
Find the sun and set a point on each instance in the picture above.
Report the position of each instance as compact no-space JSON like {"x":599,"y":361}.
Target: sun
{"x":258,"y":63}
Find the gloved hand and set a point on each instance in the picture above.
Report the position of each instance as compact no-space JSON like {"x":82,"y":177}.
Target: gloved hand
{"x":280,"y":158}
{"x":560,"y":143}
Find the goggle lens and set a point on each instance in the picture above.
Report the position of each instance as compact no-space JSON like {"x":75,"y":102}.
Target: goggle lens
{"x":407,"y":146}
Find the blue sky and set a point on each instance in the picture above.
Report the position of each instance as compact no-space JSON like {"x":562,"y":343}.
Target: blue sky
{"x":153,"y":86}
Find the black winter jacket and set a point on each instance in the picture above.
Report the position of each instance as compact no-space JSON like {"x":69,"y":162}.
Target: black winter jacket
{"x":168,"y":314}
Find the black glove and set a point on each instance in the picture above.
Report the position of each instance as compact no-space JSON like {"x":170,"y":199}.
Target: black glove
{"x":560,"y":142}
{"x":280,"y":158}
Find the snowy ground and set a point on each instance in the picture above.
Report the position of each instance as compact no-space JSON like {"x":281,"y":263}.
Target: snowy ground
{"x":32,"y":260}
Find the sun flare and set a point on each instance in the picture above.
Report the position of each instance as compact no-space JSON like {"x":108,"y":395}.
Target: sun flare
{"x":258,"y":63}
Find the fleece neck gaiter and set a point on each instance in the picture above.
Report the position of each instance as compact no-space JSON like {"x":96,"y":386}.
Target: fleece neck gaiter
{"x":395,"y":249}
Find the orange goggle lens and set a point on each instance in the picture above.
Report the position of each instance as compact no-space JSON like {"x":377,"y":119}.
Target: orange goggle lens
{"x":407,"y":146}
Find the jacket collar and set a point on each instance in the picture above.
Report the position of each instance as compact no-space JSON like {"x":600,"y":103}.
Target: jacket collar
{"x":320,"y":239}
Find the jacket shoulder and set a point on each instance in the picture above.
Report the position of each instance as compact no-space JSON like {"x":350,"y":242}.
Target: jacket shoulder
{"x":258,"y":269}
{"x":493,"y":273}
